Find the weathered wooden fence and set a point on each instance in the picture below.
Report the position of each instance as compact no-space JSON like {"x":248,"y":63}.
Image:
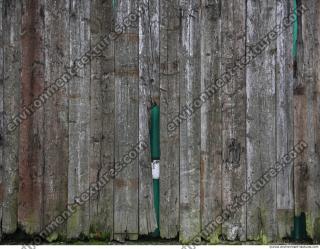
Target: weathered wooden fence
{"x":171,"y":52}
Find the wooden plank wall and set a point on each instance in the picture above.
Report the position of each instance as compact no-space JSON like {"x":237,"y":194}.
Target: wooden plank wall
{"x":31,"y":160}
{"x":189,"y":79}
{"x":211,"y":119}
{"x":306,"y":119}
{"x":102,"y":104}
{"x":11,"y":24}
{"x":233,"y":108}
{"x":261,"y":120}
{"x":1,"y":117}
{"x":165,"y":52}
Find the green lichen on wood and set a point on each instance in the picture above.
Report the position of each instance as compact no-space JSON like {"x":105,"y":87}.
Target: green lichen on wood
{"x":29,"y":224}
{"x":96,"y":234}
{"x":316,"y":230}
{"x":53,"y":237}
{"x":214,"y":239}
{"x":263,"y":238}
{"x":309,"y":225}
{"x":73,"y":221}
{"x":313,"y":226}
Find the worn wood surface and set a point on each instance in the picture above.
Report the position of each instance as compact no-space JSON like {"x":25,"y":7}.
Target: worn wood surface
{"x":233,"y":38}
{"x":169,"y":108}
{"x":189,"y":58}
{"x":1,"y":118}
{"x":169,"y":52}
{"x":31,"y":157}
{"x":126,"y":183}
{"x":148,"y":95}
{"x":314,"y":228}
{"x":102,"y":126}
{"x":211,"y":122}
{"x":301,"y":128}
{"x":79,"y":117}
{"x":306,"y":118}
{"x":284,"y":122}
{"x":56,"y":142}
{"x":260,"y":118}
{"x":11,"y":20}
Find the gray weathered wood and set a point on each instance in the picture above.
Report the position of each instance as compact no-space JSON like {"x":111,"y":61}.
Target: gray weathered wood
{"x":211,"y":149}
{"x":102,"y":126}
{"x":306,"y":121}
{"x":261,"y":143}
{"x":79,"y":117}
{"x":11,"y":97}
{"x":169,"y":108}
{"x":284,"y":122}
{"x":301,"y":164}
{"x":189,"y":49}
{"x":174,"y":51}
{"x":314,"y":229}
{"x":148,"y":94}
{"x":126,"y":183}
{"x":31,"y":157}
{"x":1,"y":118}
{"x":233,"y":116}
{"x":56,"y":145}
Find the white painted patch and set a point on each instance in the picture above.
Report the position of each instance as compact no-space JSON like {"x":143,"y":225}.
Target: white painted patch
{"x":155,"y":169}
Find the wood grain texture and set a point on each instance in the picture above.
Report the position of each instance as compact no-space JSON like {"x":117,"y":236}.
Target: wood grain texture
{"x":306,"y":120}
{"x":79,"y":117}
{"x":31,"y":157}
{"x":233,"y":21}
{"x":102,"y":125}
{"x":148,"y":94}
{"x":1,"y":117}
{"x":170,"y":55}
{"x":56,"y":145}
{"x":189,"y":52}
{"x":11,"y":103}
{"x":169,"y":108}
{"x":284,"y":122}
{"x":314,"y":229}
{"x":300,"y":125}
{"x":211,"y":118}
{"x":126,"y":183}
{"x":260,"y":118}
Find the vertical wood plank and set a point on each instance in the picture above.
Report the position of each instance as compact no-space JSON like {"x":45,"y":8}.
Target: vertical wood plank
{"x":169,"y":108}
{"x":190,"y":128}
{"x":284,"y":122}
{"x":31,"y":160}
{"x":11,"y":101}
{"x":56,"y":144}
{"x":102,"y":127}
{"x":126,"y":183}
{"x":1,"y":118}
{"x":211,"y":130}
{"x":261,"y":143}
{"x":315,"y":171}
{"x":79,"y":117}
{"x":148,"y":94}
{"x":233,"y":14}
{"x":306,"y":122}
{"x":300,"y":95}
